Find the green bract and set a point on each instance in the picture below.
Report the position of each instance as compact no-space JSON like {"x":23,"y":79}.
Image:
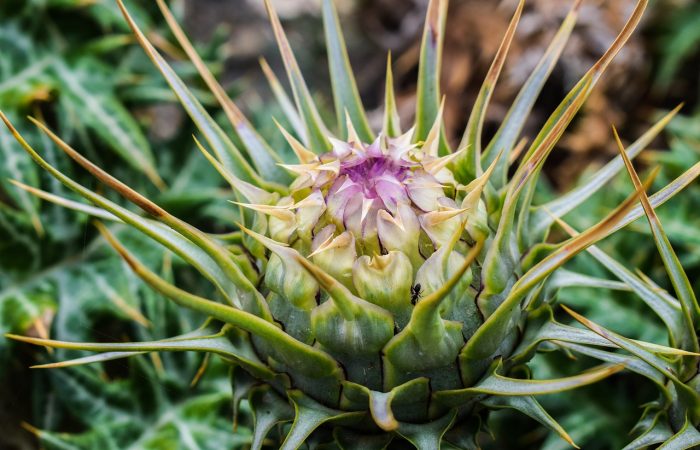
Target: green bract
{"x":386,"y":287}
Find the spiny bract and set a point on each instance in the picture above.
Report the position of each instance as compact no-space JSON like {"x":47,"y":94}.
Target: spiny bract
{"x":381,"y":288}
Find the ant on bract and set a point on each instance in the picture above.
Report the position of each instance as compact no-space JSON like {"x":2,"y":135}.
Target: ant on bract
{"x":416,"y":293}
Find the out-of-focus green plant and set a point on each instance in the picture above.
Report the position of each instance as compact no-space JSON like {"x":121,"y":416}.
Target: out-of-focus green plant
{"x":74,"y":64}
{"x":676,"y":38}
{"x":61,"y":61}
{"x":151,"y":402}
{"x":42,"y":70}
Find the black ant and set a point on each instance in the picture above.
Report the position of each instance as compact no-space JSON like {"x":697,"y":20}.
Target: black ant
{"x":416,"y":293}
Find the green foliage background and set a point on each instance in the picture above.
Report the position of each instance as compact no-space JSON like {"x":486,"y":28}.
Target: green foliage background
{"x":73,"y":64}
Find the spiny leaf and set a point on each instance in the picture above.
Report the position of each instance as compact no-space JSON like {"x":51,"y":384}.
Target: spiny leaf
{"x":626,"y":344}
{"x":687,"y":437}
{"x":164,"y":235}
{"x":247,"y":292}
{"x":527,"y":174}
{"x":298,"y":355}
{"x":218,"y":344}
{"x":584,"y":341}
{"x":16,"y":165}
{"x":565,"y":278}
{"x":587,"y":83}
{"x":687,"y":395}
{"x":500,"y":259}
{"x":530,"y":407}
{"x":66,"y":203}
{"x":284,"y":101}
{"x":674,"y":269}
{"x":657,"y":433}
{"x":304,"y":155}
{"x":597,"y":70}
{"x":428,"y":95}
{"x":664,"y":194}
{"x":631,"y":363}
{"x":310,"y":415}
{"x":315,"y":129}
{"x":569,"y":201}
{"x":551,"y":330}
{"x":248,"y":191}
{"x":508,"y":132}
{"x":427,"y":436}
{"x":667,"y":308}
{"x":392,"y":122}
{"x":489,"y":336}
{"x":269,"y":409}
{"x":264,"y":158}
{"x":227,"y":153}
{"x":496,"y":384}
{"x":345,"y":94}
{"x":469,"y":165}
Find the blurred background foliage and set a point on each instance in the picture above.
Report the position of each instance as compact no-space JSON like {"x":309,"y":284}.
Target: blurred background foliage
{"x":73,"y":63}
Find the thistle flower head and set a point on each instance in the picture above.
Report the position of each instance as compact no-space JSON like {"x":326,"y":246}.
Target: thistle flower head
{"x":367,"y":189}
